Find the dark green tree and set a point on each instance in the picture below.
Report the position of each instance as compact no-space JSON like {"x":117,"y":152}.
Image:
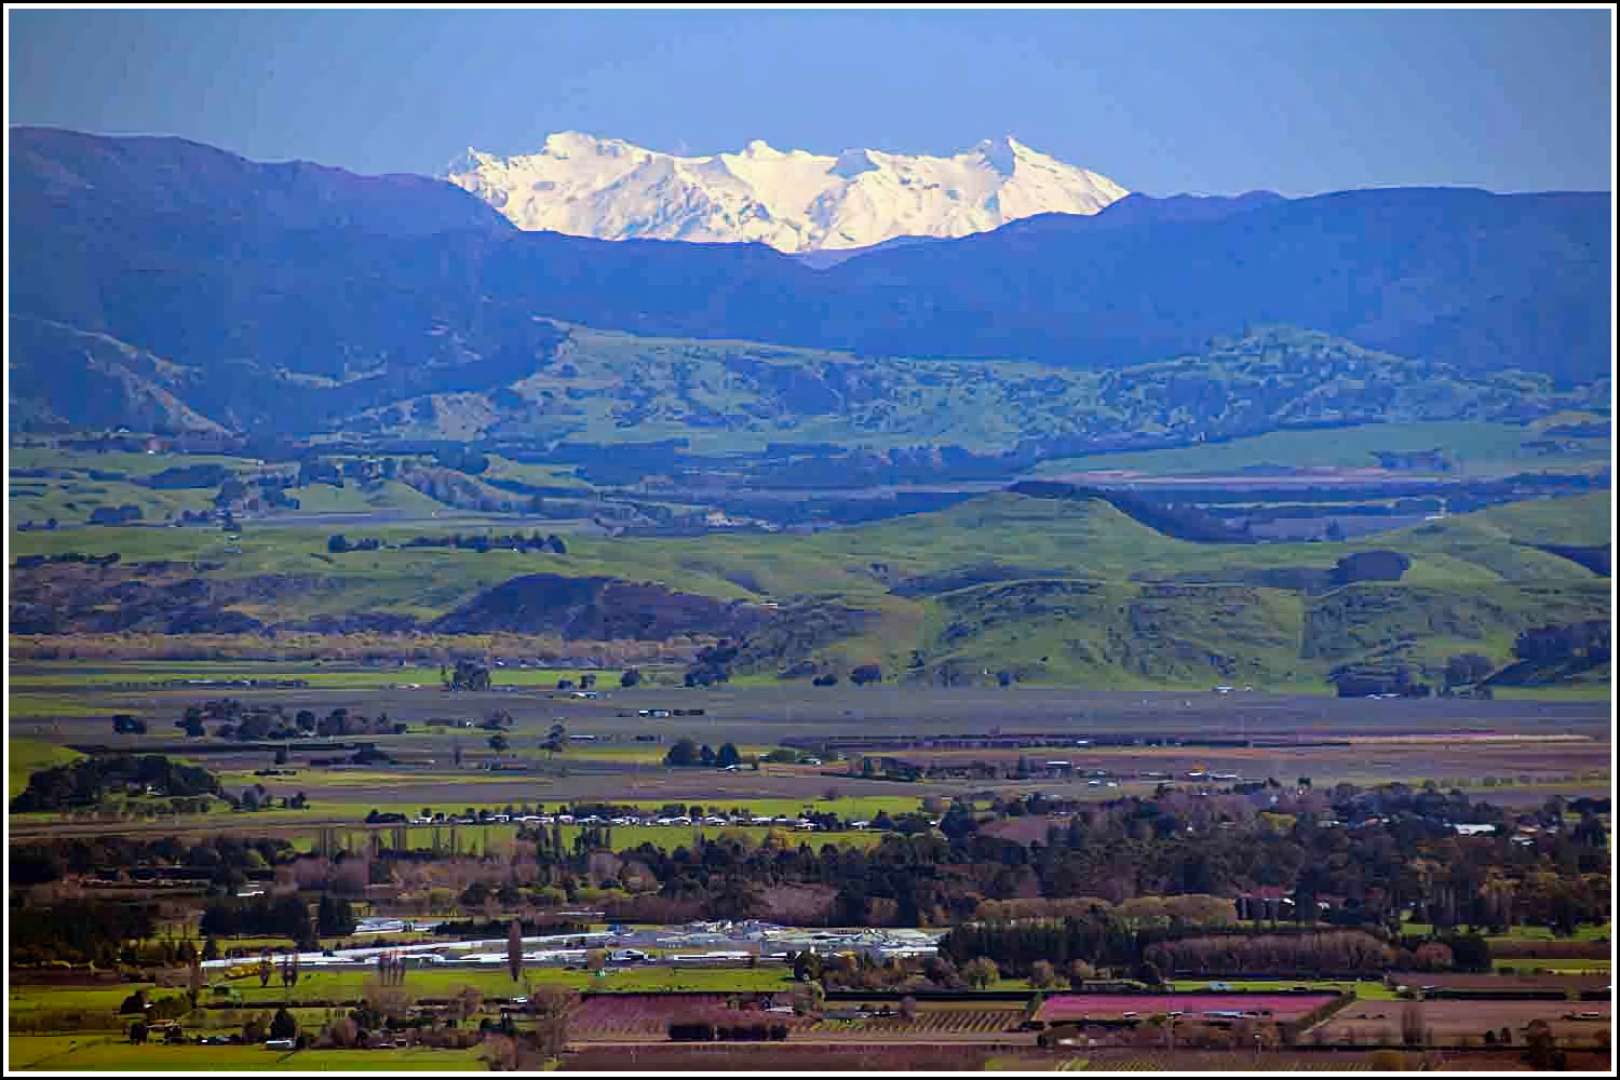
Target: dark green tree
{"x":683,"y":754}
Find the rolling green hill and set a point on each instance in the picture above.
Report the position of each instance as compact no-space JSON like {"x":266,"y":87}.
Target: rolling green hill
{"x":1467,"y":447}
{"x":729,"y":396}
{"x":595,"y":386}
{"x":1052,"y":590}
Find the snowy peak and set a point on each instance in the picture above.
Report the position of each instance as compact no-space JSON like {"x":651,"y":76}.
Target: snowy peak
{"x":792,"y":200}
{"x":1000,"y":154}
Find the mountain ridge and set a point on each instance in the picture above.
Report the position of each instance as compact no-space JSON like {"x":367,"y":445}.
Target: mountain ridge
{"x":794,"y":201}
{"x":315,"y":272}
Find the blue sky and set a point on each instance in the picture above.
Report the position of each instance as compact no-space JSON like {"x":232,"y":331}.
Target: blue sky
{"x":1162,"y":101}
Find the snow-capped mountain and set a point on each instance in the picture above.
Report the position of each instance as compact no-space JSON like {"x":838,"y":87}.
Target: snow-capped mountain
{"x":792,"y":200}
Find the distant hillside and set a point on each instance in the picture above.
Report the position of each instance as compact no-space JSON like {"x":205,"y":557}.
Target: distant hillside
{"x":607,"y":387}
{"x":584,"y":385}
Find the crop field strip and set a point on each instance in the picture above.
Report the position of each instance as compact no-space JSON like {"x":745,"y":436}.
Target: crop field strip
{"x":928,"y":1021}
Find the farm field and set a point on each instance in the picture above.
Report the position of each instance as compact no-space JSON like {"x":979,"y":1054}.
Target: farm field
{"x":779,"y":710}
{"x":136,"y":673}
{"x":1280,"y":1006}
{"x":91,"y":1053}
{"x":1508,"y":976}
{"x":1368,"y":989}
{"x":948,"y":1020}
{"x":1464,"y":1023}
{"x":625,"y":1016}
{"x":36,"y":1004}
{"x":349,"y":985}
{"x":891,"y":1055}
{"x":1510,"y":752}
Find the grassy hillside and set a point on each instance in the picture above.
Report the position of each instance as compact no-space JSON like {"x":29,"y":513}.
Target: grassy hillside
{"x":728,"y":396}
{"x":1062,"y":591}
{"x":1116,"y":635}
{"x":1588,"y":519}
{"x":1472,"y":447}
{"x":573,"y":382}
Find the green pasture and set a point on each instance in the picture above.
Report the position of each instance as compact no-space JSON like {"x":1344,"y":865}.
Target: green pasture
{"x":1525,"y":966}
{"x":88,"y":1053}
{"x":494,"y":981}
{"x":27,"y":756}
{"x":33,"y":997}
{"x":94,"y":674}
{"x":1584,"y":932}
{"x":1478,"y":448}
{"x":1366,"y":989}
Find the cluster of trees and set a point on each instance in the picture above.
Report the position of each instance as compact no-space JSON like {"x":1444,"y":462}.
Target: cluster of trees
{"x":462,"y":459}
{"x":505,"y":542}
{"x":76,"y":931}
{"x":115,"y":515}
{"x":1101,"y":939}
{"x":1467,"y":669}
{"x":861,"y":675}
{"x":1398,"y":679}
{"x":712,"y":664}
{"x":339,"y":544}
{"x":1190,"y":910}
{"x":177,"y":477}
{"x":866,"y":673}
{"x":229,"y":858}
{"x":252,"y":723}
{"x":281,"y":916}
{"x":686,"y":753}
{"x":851,"y":971}
{"x":316,"y":470}
{"x":334,"y":916}
{"x":1339,"y":952}
{"x":128,"y":724}
{"x":110,"y":559}
{"x":1370,"y":566}
{"x":1589,"y":640}
{"x":88,"y":781}
{"x":142,"y":1004}
{"x":467,"y":675}
{"x":727,"y":1027}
